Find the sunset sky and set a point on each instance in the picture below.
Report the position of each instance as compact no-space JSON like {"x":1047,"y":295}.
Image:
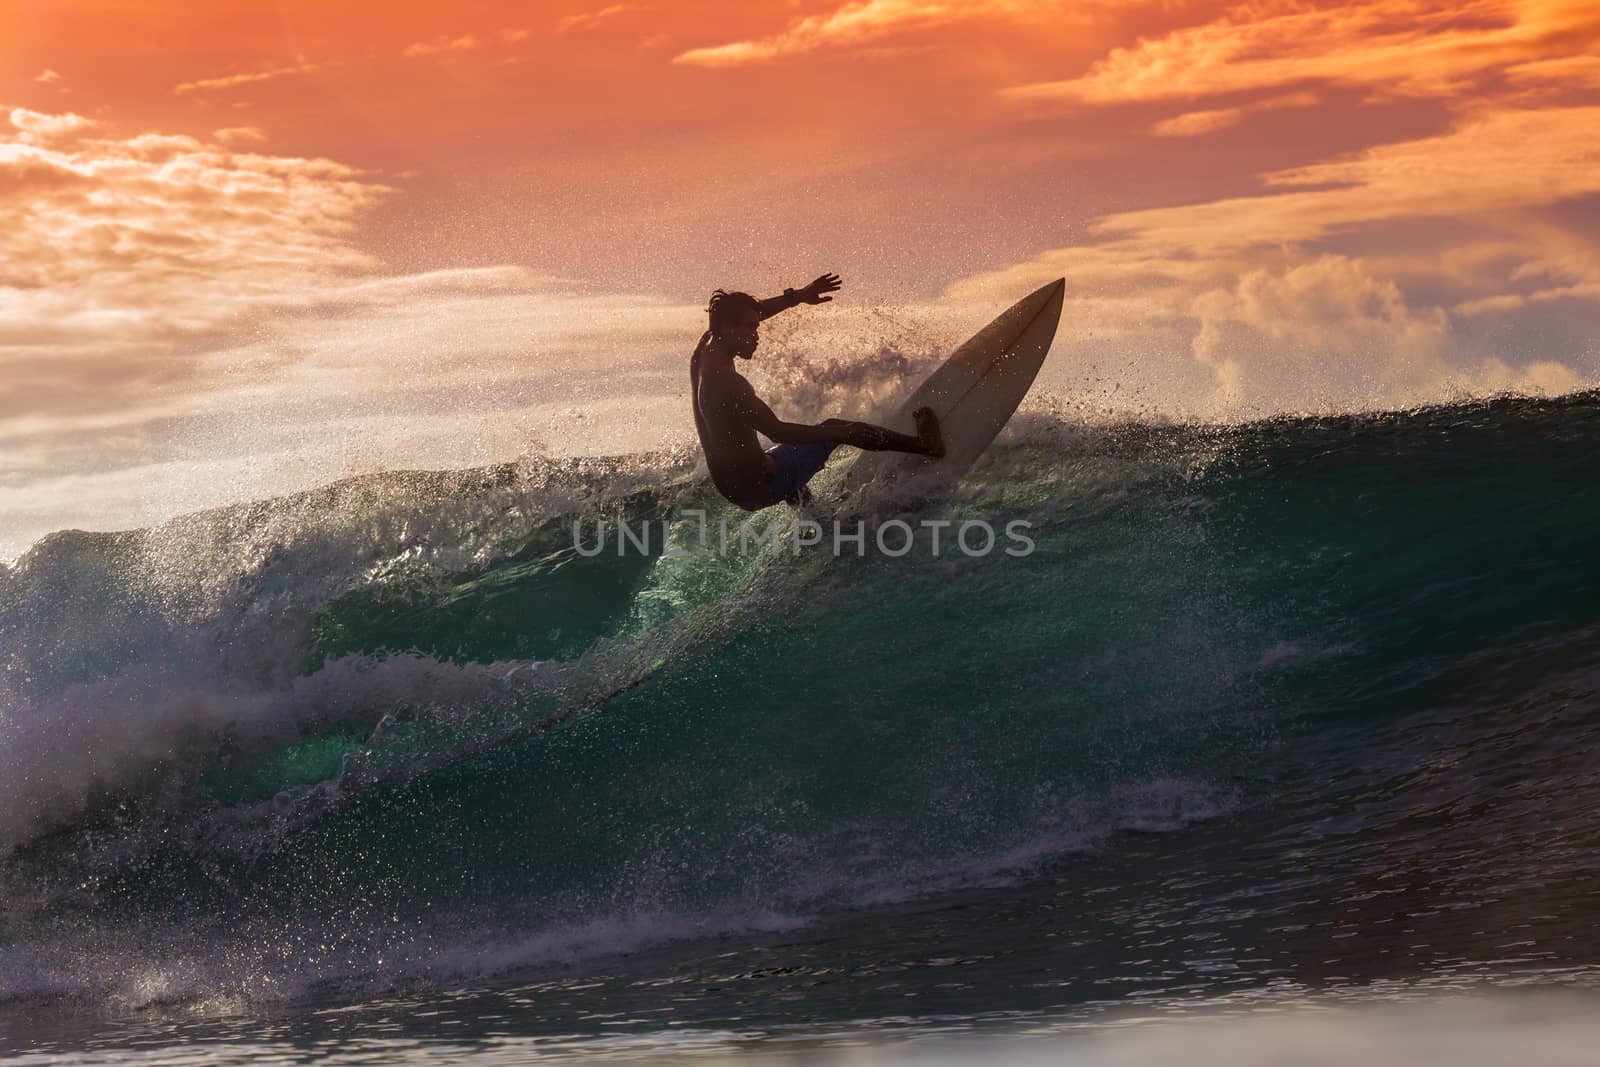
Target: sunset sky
{"x":250,"y":247}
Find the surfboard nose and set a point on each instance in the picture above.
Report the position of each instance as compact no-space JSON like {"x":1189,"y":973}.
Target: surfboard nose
{"x":1045,"y":295}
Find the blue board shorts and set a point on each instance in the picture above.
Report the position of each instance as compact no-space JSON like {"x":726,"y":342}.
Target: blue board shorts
{"x":797,"y":465}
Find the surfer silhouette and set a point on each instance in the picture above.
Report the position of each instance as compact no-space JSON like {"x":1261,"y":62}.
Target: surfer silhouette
{"x":728,"y":414}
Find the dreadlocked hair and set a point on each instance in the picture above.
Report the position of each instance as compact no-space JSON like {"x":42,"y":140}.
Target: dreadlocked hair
{"x":724,"y":304}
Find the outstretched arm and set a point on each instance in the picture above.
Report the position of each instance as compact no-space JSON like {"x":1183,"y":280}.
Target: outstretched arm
{"x":811,"y":294}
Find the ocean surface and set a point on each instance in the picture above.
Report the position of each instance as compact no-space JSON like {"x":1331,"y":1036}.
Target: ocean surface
{"x":1283,"y":743}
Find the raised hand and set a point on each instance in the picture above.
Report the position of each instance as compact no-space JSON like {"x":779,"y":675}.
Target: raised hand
{"x":813,"y":293}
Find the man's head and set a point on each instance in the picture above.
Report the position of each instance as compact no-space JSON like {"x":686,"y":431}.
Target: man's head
{"x":735,"y":319}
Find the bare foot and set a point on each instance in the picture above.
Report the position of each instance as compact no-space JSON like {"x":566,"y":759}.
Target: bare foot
{"x":928,"y":430}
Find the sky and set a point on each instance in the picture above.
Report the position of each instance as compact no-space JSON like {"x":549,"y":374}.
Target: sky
{"x":252,"y":247}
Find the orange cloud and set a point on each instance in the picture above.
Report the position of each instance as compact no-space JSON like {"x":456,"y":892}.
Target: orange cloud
{"x":1279,"y":324}
{"x":465,"y":43}
{"x":1565,"y":71}
{"x":589,"y":19}
{"x":1196,"y":123}
{"x":1417,"y":48}
{"x":1503,"y":161}
{"x":48,"y":77}
{"x":1494,"y":161}
{"x":37,"y":128}
{"x":249,"y":78}
{"x":122,"y":254}
{"x":233,"y":134}
{"x":856,"y":23}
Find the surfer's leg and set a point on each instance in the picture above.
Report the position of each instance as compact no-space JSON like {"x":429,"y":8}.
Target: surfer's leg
{"x":927,"y":441}
{"x":797,"y":465}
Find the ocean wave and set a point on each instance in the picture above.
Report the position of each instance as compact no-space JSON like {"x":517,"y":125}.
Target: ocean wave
{"x":411,"y":693}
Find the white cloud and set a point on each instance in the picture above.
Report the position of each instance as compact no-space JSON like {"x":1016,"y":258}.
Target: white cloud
{"x":123,"y":257}
{"x":38,"y":128}
{"x":179,"y":313}
{"x":1324,"y":335}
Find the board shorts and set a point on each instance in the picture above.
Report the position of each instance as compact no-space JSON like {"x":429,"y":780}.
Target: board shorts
{"x":797,"y":465}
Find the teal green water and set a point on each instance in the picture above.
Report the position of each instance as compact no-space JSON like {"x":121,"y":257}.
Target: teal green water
{"x":326,"y":742}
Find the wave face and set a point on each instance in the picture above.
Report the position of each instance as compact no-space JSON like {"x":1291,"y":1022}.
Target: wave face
{"x":400,"y":728}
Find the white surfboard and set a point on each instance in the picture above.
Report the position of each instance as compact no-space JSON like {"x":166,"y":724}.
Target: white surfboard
{"x":974,"y":393}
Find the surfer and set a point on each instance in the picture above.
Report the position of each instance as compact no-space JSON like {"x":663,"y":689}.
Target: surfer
{"x":728,"y":414}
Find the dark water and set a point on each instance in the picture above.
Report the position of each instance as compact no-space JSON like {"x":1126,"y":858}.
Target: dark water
{"x":1293,"y":713}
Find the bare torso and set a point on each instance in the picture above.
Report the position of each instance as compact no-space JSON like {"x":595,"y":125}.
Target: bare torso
{"x":741,"y":471}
